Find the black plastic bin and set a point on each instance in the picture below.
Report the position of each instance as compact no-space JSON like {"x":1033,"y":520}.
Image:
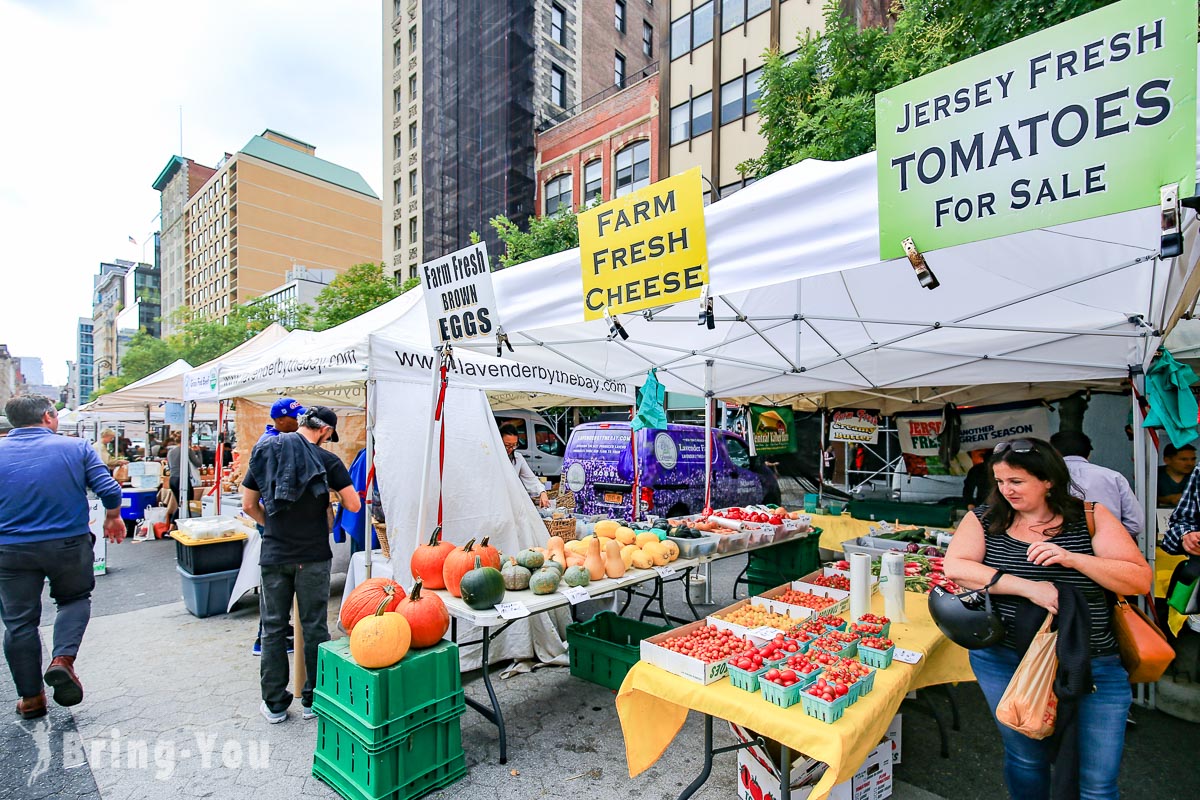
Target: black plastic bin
{"x":209,"y":556}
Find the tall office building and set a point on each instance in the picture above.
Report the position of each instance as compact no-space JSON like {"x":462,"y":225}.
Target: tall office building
{"x":108,"y":299}
{"x":710,"y":88}
{"x":466,"y":82}
{"x":84,"y":382}
{"x":261,"y":210}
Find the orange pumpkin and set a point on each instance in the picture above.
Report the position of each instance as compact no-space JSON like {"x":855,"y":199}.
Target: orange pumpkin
{"x":458,"y":563}
{"x":381,"y":639}
{"x":489,"y":556}
{"x":366,"y":597}
{"x":428,"y":559}
{"x":427,"y":616}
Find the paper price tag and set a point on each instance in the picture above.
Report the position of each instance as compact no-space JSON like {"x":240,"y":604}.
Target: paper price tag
{"x":665,"y":572}
{"x":766,"y":632}
{"x":512,"y":610}
{"x":907,"y":656}
{"x":575,"y":594}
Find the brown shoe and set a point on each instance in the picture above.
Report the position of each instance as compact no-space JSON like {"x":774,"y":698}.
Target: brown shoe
{"x":60,"y":676}
{"x":32,"y":707}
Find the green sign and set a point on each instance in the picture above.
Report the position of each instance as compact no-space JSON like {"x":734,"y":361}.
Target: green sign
{"x":1088,"y":118}
{"x":773,"y":430}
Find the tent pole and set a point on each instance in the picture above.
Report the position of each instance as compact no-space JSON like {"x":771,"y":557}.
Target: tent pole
{"x":185,"y":462}
{"x":821,"y":461}
{"x":1147,"y":492}
{"x":708,"y":419}
{"x":423,"y":507}
{"x":220,"y":455}
{"x":146,"y":451}
{"x":634,"y":491}
{"x":370,"y":462}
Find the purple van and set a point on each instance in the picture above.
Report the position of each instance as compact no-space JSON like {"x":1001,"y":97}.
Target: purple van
{"x":598,"y":468}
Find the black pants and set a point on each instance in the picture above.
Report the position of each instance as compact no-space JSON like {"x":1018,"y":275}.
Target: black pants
{"x":309,"y":585}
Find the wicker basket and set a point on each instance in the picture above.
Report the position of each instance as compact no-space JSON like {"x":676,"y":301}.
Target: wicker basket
{"x":566,"y":498}
{"x":384,"y":544}
{"x":563,"y":528}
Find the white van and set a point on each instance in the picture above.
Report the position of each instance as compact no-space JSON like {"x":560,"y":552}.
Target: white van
{"x":537,"y":441}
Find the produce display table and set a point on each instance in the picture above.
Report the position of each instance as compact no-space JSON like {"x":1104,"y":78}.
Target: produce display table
{"x":839,"y":528}
{"x":653,"y":704}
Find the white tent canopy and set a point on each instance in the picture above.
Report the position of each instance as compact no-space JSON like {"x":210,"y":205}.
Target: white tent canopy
{"x":150,"y":390}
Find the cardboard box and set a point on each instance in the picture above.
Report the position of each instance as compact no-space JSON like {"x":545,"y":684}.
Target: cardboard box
{"x":828,"y":571}
{"x":693,"y":669}
{"x":841,"y":606}
{"x":759,"y":768}
{"x":893,"y":736}
{"x":796,"y":613}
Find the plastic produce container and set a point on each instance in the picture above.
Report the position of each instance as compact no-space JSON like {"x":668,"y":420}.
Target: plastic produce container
{"x":732,"y":542}
{"x":206,"y":556}
{"x":694,"y":548}
{"x":782,"y":696}
{"x":207,"y":595}
{"x":879,"y":659}
{"x":824,"y":710}
{"x":743,"y":679}
{"x":376,"y":774}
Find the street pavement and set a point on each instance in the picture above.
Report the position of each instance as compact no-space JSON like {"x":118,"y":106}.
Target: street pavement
{"x":171,"y":710}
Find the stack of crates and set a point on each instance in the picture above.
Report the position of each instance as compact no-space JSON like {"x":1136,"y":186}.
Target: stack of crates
{"x":389,"y":734}
{"x":782,"y":563}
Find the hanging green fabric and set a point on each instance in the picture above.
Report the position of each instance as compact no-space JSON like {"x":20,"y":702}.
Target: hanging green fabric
{"x":651,"y":405}
{"x":1172,"y":405}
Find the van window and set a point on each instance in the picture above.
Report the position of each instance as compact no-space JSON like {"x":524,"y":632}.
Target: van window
{"x":738,"y":453}
{"x":547,"y":441}
{"x":519,"y":424}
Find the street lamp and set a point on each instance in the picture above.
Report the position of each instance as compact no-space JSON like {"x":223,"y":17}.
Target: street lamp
{"x":716,"y":194}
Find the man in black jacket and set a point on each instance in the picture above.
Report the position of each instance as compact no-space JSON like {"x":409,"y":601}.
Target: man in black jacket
{"x":294,"y":477}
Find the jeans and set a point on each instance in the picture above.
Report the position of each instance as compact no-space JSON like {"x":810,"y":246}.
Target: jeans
{"x":309,"y":585}
{"x":24,"y":568}
{"x":1102,"y":716}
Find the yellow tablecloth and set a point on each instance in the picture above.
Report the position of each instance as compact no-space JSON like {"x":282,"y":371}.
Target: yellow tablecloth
{"x":841,"y":528}
{"x":653,"y":704}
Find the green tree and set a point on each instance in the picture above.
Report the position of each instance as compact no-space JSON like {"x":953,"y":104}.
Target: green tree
{"x":411,"y":283}
{"x":820,"y":103}
{"x":145,"y":355}
{"x":354,"y":292}
{"x":199,"y":339}
{"x":544,"y":236}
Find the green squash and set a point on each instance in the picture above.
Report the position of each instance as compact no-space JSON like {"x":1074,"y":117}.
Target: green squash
{"x":557,"y":566}
{"x":577,"y":576}
{"x":482,"y":587}
{"x":531,"y":559}
{"x":544,"y":581}
{"x":515,"y":576}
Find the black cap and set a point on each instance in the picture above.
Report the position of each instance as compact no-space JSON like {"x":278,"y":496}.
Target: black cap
{"x":326,"y":415}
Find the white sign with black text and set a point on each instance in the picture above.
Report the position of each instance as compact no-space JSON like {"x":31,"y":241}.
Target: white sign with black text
{"x":459,"y":296}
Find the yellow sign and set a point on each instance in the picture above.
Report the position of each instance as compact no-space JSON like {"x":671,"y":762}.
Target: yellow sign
{"x":645,"y":249}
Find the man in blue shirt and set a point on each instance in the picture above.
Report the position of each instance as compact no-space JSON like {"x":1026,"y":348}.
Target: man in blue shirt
{"x":284,"y":415}
{"x":44,"y":534}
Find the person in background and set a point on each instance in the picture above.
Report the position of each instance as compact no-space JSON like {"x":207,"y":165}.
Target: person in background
{"x":44,"y":535}
{"x":1029,"y":540}
{"x":537,"y":492}
{"x":1098,"y":484}
{"x":978,"y":482}
{"x":104,"y":447}
{"x":284,"y":415}
{"x":173,"y":460}
{"x":1178,"y":463}
{"x":286,"y":490}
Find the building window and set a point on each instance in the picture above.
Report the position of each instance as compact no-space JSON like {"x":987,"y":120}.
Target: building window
{"x":412,"y":272}
{"x":753,"y":92}
{"x":412,"y":40}
{"x":558,"y":194}
{"x":733,"y":13}
{"x":619,"y":14}
{"x":681,"y":36}
{"x":397,"y":238}
{"x":412,"y":136}
{"x":558,"y":28}
{"x":412,"y":229}
{"x":619,"y":70}
{"x":732,"y":97}
{"x":558,"y":87}
{"x":691,"y":119}
{"x":702,"y":25}
{"x":398,"y":99}
{"x":593,"y":180}
{"x":397,"y":54}
{"x":756,"y":7}
{"x":397,"y":146}
{"x":412,"y":183}
{"x":701,"y":114}
{"x":633,"y":168}
{"x":647,"y":40}
{"x":412,"y":87}
{"x":397,"y":6}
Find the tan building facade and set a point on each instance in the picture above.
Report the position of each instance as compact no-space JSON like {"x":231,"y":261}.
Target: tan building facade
{"x":266,"y":208}
{"x":178,"y":182}
{"x":715,"y":51}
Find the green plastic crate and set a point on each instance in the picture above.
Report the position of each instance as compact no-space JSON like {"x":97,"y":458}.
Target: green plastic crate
{"x":404,"y":696}
{"x":934,"y":516}
{"x":378,"y":774}
{"x":439,"y":777}
{"x":792,"y":559}
{"x":380,"y":736}
{"x":606,"y":647}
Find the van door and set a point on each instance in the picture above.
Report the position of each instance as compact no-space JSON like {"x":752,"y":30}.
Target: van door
{"x":745,"y":484}
{"x":546,"y":455}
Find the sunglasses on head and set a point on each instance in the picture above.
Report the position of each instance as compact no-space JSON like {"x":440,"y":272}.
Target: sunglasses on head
{"x":1016,"y":445}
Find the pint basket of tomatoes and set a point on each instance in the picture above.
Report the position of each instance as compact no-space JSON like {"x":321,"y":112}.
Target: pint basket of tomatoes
{"x":835,"y":646}
{"x":832,"y":622}
{"x":744,"y":672}
{"x":885,"y":625}
{"x":876,"y":651}
{"x":858,"y":677}
{"x":824,"y":699}
{"x":781,"y":686}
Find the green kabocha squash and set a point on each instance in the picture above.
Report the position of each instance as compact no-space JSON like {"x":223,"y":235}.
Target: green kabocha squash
{"x":557,"y":566}
{"x":544,"y":581}
{"x":531,"y":559}
{"x":515,"y":576}
{"x":482,"y":587}
{"x":577,"y":576}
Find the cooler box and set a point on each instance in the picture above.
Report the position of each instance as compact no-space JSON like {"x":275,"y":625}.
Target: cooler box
{"x":134,"y":503}
{"x":207,"y":595}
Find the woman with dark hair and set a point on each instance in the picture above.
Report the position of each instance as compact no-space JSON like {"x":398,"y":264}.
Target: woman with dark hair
{"x":1034,"y":534}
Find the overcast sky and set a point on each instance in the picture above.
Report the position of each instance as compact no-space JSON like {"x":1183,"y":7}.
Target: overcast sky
{"x":91,"y":91}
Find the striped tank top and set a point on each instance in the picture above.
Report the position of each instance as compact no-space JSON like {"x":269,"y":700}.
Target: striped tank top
{"x":1009,"y":554}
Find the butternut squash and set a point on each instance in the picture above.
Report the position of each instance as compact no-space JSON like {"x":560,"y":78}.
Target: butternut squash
{"x":672,"y":548}
{"x":658,"y":554}
{"x":614,"y":565}
{"x":577,"y":547}
{"x":606,"y":527}
{"x":574,"y":560}
{"x":625,"y":535}
{"x":627,"y":554}
{"x":556,"y":549}
{"x":641,"y":560}
{"x":642,"y":539}
{"x":593,"y":562}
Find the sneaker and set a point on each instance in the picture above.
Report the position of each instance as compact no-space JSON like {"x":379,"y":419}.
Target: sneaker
{"x":272,"y":717}
{"x":307,"y":712}
{"x":256,"y":648}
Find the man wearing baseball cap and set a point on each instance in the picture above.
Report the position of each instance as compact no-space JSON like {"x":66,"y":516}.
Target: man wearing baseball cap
{"x":284,"y":415}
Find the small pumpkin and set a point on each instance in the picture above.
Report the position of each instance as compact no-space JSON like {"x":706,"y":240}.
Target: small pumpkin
{"x":427,"y":616}
{"x":515,"y":576}
{"x":428,"y":559}
{"x":381,"y":639}
{"x":544,"y":581}
{"x":488,"y":554}
{"x":531,"y":559}
{"x":483,"y":586}
{"x":458,"y":563}
{"x":365,"y":598}
{"x":577,"y":576}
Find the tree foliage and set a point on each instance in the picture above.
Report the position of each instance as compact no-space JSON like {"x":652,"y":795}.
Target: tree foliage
{"x":354,"y":292}
{"x":820,"y":103}
{"x":545,"y":236}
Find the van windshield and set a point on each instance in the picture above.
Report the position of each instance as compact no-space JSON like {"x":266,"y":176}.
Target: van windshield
{"x":738,"y":453}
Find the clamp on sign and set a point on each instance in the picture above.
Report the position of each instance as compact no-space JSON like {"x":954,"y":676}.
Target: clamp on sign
{"x":706,"y":309}
{"x":502,"y":342}
{"x":614,"y":326}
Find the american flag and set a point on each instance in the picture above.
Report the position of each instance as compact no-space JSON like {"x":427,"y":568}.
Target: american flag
{"x":132,"y":240}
